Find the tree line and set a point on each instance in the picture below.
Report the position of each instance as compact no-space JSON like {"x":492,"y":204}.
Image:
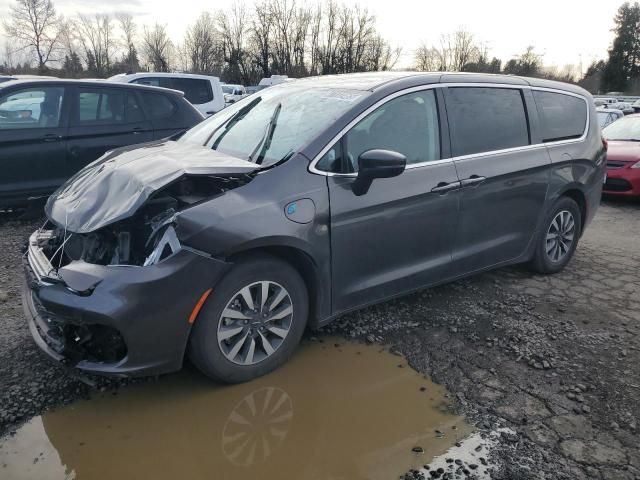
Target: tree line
{"x":620,"y":72}
{"x":242,"y":44}
{"x":462,"y":52}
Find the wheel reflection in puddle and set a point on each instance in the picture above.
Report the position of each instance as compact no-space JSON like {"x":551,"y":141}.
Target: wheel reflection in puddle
{"x":257,"y":426}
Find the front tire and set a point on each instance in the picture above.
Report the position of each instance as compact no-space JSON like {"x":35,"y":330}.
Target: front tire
{"x":252,"y":322}
{"x":559,"y":237}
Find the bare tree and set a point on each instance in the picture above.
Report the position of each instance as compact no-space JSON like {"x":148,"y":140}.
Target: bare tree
{"x":233,"y":27}
{"x":98,"y":41}
{"x":33,"y":25}
{"x":128,"y":29}
{"x":202,"y":47}
{"x":157,"y":47}
{"x":260,"y":37}
{"x":456,"y":51}
{"x":428,"y":59}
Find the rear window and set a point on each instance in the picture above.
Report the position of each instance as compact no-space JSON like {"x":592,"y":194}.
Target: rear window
{"x":157,"y":105}
{"x":197,"y":91}
{"x":485,"y":119}
{"x":563,"y":116}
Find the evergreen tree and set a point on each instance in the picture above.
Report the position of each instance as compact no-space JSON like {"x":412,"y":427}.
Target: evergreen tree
{"x":72,"y":66}
{"x":92,"y":68}
{"x":624,"y":56}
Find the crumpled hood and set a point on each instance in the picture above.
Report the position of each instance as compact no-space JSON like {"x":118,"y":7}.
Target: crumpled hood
{"x":116,"y":185}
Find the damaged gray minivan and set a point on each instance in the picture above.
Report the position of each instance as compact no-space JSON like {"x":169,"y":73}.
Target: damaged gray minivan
{"x":303,"y":202}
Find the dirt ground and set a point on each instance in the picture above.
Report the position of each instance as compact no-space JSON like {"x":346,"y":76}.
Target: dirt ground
{"x":554,"y":358}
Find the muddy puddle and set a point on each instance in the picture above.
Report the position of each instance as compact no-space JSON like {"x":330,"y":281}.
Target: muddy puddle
{"x":347,"y":412}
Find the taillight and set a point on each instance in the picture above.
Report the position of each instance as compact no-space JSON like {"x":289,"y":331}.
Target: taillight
{"x":605,"y":143}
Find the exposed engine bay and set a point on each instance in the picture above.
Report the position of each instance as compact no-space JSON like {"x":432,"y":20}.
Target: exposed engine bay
{"x":144,"y":238}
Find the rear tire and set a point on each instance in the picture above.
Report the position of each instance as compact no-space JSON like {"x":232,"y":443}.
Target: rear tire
{"x":559,"y":237}
{"x":244,"y":329}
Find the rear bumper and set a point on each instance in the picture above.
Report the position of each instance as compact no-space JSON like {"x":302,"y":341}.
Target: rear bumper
{"x":143,"y":310}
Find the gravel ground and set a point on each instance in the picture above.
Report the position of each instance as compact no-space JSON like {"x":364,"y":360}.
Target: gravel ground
{"x":553,"y":358}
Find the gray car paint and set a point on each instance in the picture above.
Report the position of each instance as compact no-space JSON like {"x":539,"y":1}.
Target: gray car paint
{"x":396,"y":238}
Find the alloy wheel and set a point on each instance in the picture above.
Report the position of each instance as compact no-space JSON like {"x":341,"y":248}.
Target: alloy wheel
{"x":255,"y":322}
{"x":560,"y":236}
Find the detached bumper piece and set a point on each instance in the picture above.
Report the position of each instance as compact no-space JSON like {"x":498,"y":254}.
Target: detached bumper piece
{"x":115,"y":320}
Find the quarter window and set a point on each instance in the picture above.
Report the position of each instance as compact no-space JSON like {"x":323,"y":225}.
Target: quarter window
{"x":563,"y":116}
{"x":485,"y":119}
{"x":31,"y":108}
{"x":407,"y":124}
{"x":197,"y":91}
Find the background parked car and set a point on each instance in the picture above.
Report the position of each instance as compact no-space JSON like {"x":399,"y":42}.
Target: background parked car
{"x":203,"y":91}
{"x":251,"y":89}
{"x":8,"y":78}
{"x":600,"y":101}
{"x":273,"y":80}
{"x":626,"y":107}
{"x":636,"y":106}
{"x":623,"y":157}
{"x":606,"y":116}
{"x":233,"y":93}
{"x":51,"y":128}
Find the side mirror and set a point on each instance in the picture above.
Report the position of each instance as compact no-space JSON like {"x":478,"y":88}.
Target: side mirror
{"x":377,"y":164}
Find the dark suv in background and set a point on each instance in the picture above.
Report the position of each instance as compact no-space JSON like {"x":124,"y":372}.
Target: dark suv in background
{"x":50,"y":129}
{"x":303,"y":202}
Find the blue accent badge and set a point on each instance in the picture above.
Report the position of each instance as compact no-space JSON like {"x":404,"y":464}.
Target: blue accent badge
{"x":291,"y":208}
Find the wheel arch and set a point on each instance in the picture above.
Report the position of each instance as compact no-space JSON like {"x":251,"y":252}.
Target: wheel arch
{"x":575,"y":193}
{"x":302,"y":261}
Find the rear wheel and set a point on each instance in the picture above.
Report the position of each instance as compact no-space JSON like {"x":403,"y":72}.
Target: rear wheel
{"x":559,"y":238}
{"x":252,"y":322}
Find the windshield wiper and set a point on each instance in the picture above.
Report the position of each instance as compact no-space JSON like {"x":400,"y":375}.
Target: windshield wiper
{"x":265,"y":142}
{"x":231,"y":121}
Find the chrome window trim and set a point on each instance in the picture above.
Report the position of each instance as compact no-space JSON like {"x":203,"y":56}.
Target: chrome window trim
{"x":312,"y":166}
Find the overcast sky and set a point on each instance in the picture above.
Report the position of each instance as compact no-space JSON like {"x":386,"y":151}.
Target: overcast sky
{"x":565,"y":31}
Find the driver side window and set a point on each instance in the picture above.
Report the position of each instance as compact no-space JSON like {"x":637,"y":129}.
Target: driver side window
{"x":407,"y":124}
{"x":37,"y":107}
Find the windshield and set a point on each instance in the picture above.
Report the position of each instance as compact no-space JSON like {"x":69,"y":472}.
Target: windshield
{"x":273,"y":124}
{"x":624,"y":129}
{"x":227,"y":88}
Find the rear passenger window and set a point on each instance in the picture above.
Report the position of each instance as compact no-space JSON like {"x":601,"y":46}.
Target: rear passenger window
{"x":134,"y":111}
{"x":157,"y":105}
{"x":195,"y":90}
{"x":563,"y":116}
{"x":484,"y":119}
{"x":101,"y":106}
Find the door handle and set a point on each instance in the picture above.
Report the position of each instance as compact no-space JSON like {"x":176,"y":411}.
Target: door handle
{"x":444,"y":187}
{"x":472,"y":180}
{"x":137,"y":131}
{"x":52,"y":137}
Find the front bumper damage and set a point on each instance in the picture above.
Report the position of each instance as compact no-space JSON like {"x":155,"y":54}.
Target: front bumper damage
{"x":116,"y":320}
